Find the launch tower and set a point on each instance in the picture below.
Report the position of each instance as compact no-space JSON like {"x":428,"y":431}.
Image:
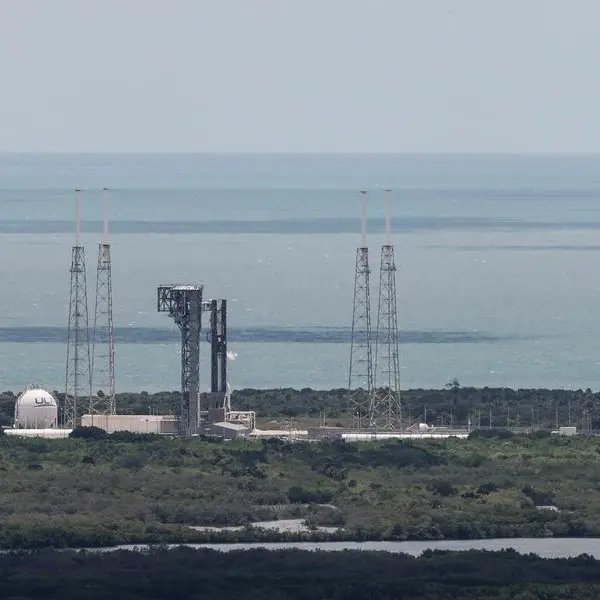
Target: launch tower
{"x":360,"y":373}
{"x":183,"y":303}
{"x":103,"y":346}
{"x":385,"y":404}
{"x":78,"y":380}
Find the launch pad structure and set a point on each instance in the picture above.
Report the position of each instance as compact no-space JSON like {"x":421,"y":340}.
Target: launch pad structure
{"x":91,"y":362}
{"x":360,"y":372}
{"x":374,"y":374}
{"x":103,"y":344}
{"x":185,"y":305}
{"x":78,"y":374}
{"x":386,"y":411}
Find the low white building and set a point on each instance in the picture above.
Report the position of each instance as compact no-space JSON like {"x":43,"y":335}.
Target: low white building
{"x":228,"y":431}
{"x":161,"y":424}
{"x":51,"y":434}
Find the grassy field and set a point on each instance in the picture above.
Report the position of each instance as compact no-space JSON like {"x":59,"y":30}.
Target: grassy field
{"x":137,"y":488}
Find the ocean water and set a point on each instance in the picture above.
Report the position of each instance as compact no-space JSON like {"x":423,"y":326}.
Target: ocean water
{"x":498,"y":262}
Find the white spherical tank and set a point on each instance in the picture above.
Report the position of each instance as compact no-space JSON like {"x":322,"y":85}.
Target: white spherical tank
{"x":36,"y":408}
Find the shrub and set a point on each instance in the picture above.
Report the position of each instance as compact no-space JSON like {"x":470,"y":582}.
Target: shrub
{"x":88,"y":433}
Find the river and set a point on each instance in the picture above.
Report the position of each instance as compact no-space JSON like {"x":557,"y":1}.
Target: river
{"x":543,"y":547}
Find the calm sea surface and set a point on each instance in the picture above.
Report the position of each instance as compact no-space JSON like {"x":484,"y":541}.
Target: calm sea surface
{"x":498,"y":261}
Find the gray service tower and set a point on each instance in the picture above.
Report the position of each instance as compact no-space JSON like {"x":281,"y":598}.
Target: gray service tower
{"x":184,"y":304}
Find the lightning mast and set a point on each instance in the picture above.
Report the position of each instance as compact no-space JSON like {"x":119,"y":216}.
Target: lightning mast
{"x":360,"y":373}
{"x":103,"y":348}
{"x":385,"y":405}
{"x":78,"y":380}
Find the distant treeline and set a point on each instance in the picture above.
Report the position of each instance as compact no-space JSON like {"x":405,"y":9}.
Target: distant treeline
{"x":188,"y":574}
{"x":455,"y":405}
{"x":452,"y":405}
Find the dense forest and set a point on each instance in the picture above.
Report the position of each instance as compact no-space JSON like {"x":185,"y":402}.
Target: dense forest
{"x":189,"y":574}
{"x":100,"y":490}
{"x":452,"y":405}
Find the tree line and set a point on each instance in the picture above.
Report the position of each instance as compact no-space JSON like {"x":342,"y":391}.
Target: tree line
{"x":189,"y":574}
{"x":450,"y":406}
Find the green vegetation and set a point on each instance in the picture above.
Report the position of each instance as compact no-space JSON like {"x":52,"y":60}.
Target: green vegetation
{"x":127,"y":488}
{"x":289,"y":575}
{"x":94,"y":489}
{"x":452,"y":405}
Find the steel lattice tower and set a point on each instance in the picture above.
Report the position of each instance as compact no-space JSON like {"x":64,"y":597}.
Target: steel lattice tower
{"x":103,"y":348}
{"x":360,"y":373}
{"x":385,"y":405}
{"x":78,"y":380}
{"x":183,"y":303}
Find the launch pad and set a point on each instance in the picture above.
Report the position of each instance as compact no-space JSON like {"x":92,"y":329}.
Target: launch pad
{"x":185,"y":305}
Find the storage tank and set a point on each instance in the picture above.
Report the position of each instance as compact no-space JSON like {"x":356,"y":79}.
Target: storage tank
{"x":36,"y":408}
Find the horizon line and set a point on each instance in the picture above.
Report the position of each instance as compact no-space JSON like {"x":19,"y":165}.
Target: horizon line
{"x":301,"y":152}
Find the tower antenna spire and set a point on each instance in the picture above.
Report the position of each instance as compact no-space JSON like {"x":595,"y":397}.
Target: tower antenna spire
{"x":385,"y":412}
{"x":105,"y":215}
{"x":360,"y":372}
{"x":78,"y":379}
{"x":78,"y":217}
{"x":364,"y":219}
{"x":388,"y":217}
{"x":103,"y":348}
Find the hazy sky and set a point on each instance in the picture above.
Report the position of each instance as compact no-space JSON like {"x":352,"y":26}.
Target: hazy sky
{"x":300,"y":75}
